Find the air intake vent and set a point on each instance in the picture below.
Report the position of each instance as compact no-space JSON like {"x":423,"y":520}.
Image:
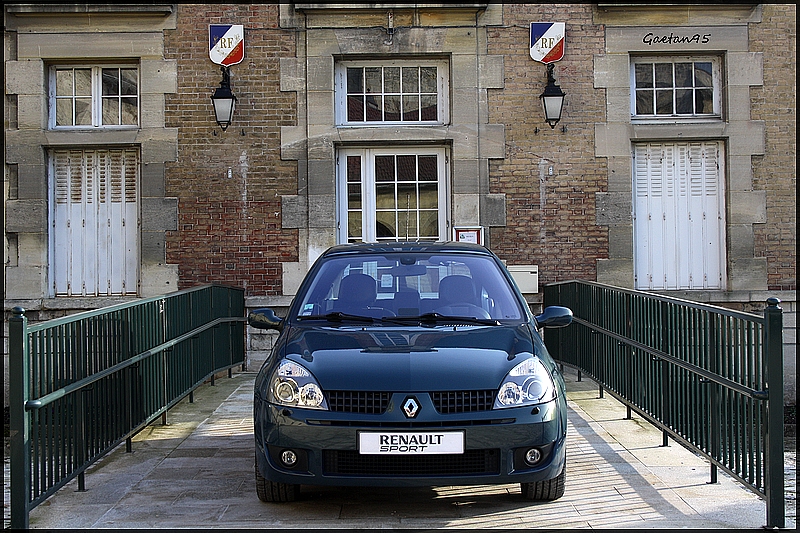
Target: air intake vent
{"x":365,"y":403}
{"x":469,"y":401}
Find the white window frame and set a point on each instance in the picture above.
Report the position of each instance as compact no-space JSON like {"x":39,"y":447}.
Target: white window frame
{"x":716,"y":71}
{"x":679,"y":216}
{"x":94,"y":221}
{"x":442,"y":84}
{"x":97,"y":97}
{"x":368,"y":191}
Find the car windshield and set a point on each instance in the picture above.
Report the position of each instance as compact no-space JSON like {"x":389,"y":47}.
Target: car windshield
{"x":409,"y":285}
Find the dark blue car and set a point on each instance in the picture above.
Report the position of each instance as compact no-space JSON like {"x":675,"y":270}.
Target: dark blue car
{"x":407,"y":364}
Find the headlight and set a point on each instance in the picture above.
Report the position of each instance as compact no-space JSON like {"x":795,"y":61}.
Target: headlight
{"x":294,"y":386}
{"x":528,"y":383}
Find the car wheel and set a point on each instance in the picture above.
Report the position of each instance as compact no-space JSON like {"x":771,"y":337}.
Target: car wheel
{"x":271,"y":491}
{"x":549,"y":489}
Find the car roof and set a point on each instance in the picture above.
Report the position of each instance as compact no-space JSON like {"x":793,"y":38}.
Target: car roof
{"x":402,"y":246}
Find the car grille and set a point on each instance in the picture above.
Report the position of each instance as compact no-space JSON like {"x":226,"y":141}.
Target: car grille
{"x":469,"y":401}
{"x":445,"y":402}
{"x":351,"y":463}
{"x":365,"y":403}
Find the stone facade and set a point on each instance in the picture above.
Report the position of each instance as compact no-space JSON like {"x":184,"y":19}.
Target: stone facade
{"x":255,"y":205}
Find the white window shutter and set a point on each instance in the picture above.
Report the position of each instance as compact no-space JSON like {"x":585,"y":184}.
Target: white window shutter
{"x":678,"y":216}
{"x":95,"y":222}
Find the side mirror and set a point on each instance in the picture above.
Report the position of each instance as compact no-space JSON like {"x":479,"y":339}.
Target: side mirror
{"x":554,"y":316}
{"x":264,"y":319}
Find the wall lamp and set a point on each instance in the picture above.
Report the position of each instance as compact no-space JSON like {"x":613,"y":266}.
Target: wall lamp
{"x":224,"y":100}
{"x":552,"y":98}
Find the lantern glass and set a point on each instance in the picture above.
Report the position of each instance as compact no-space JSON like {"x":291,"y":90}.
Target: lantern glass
{"x":553,"y":106}
{"x":223,"y":108}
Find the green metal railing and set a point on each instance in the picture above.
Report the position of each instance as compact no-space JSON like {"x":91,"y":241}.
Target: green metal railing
{"x":710,"y":378}
{"x":83,"y":384}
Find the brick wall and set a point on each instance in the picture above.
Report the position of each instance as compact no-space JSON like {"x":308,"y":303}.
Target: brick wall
{"x":550,"y":219}
{"x":776,"y":172}
{"x":229,"y":183}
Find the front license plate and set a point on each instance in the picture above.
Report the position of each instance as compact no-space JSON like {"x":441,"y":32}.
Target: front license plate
{"x":411,"y":443}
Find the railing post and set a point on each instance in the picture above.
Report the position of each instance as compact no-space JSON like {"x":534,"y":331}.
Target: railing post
{"x":773,"y":350}
{"x":666,"y":407}
{"x":19,"y":419}
{"x":715,"y":418}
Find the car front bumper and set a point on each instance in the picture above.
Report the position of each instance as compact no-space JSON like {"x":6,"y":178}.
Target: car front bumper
{"x":326,"y":446}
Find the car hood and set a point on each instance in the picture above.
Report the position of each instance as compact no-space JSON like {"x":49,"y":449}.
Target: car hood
{"x":409,"y":359}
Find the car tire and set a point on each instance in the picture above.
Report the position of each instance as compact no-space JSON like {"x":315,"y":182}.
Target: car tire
{"x":274,"y":492}
{"x":547,"y":490}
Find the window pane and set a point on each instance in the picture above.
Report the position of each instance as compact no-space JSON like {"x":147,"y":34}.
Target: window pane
{"x":391,"y":108}
{"x":664,"y":75}
{"x":83,"y":82}
{"x":428,"y":196}
{"x":129,"y":82}
{"x":410,"y":80}
{"x":429,"y":109}
{"x":353,"y":169}
{"x":411,"y":108}
{"x":644,"y":75}
{"x":373,"y":80}
{"x":683,"y":101}
{"x":110,"y":81}
{"x":704,"y":104}
{"x":428,"y":224}
{"x":683,"y":75}
{"x":407,"y":224}
{"x":644,"y":102}
{"x":663,"y":102}
{"x":427,"y":168}
{"x":702,"y":74}
{"x":384,"y":168}
{"x":407,"y":195}
{"x":427,"y":80}
{"x":130,"y":111}
{"x":354,"y":225}
{"x":64,"y":112}
{"x":384,"y":196}
{"x":64,"y":83}
{"x":355,"y":80}
{"x":385,"y":225}
{"x":83,"y":112}
{"x":374,"y":113}
{"x":110,"y":111}
{"x":355,"y":108}
{"x":354,"y":196}
{"x":391,"y":80}
{"x":406,"y":168}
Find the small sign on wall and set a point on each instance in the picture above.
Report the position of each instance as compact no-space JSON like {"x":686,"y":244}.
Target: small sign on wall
{"x":226,"y":44}
{"x":473,"y":234}
{"x":547,"y":41}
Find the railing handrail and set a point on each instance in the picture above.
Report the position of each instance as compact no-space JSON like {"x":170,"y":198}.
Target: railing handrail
{"x":721,"y":391}
{"x":38,"y":403}
{"x":74,"y":317}
{"x":671,"y":359}
{"x":670,"y":299}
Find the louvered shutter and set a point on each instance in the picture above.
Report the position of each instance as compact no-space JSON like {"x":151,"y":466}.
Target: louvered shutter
{"x":678,"y":216}
{"x":95,"y":221}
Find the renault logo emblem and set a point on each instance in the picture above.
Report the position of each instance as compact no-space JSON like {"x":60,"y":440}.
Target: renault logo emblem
{"x":411,"y":407}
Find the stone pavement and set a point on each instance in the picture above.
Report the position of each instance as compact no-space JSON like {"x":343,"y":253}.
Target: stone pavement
{"x":197,"y":472}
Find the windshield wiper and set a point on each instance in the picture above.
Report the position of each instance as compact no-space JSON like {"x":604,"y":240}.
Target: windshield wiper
{"x":338,"y":317}
{"x":436,"y":318}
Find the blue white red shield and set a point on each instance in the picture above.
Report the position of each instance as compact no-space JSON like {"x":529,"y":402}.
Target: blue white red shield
{"x":547,"y":41}
{"x":226,"y":43}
